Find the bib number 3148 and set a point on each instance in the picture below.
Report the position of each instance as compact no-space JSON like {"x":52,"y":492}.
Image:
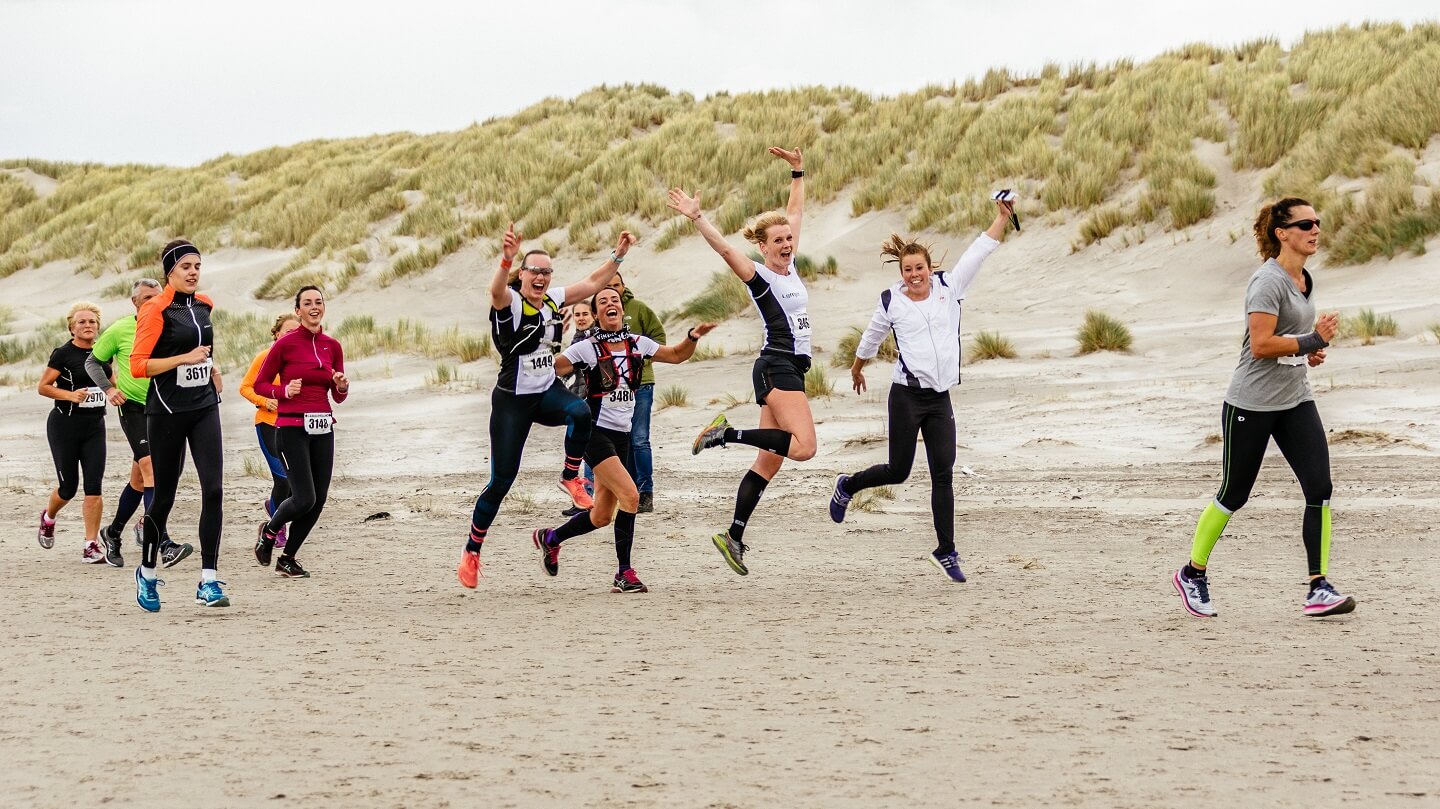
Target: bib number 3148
{"x":319,"y":423}
{"x":193,"y":376}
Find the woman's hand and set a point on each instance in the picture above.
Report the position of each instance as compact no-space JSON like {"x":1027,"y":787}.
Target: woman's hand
{"x":293,"y":389}
{"x":795,"y":159}
{"x":342,"y":384}
{"x":1327,"y":325}
{"x":76,"y":396}
{"x":857,"y":377}
{"x":511,"y":246}
{"x":1316,"y":358}
{"x":688,"y":206}
{"x":197,"y":355}
{"x":624,"y":243}
{"x":115,"y":397}
{"x":272,"y":405}
{"x":702,"y":329}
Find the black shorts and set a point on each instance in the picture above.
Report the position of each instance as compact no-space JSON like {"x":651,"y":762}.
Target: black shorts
{"x":132,"y":423}
{"x":606,"y":443}
{"x":778,"y":372}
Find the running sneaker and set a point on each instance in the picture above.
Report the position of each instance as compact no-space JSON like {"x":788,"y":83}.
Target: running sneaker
{"x":140,"y":533}
{"x":949,"y":564}
{"x":840,"y":501}
{"x":93,"y":554}
{"x":712,"y":436}
{"x":263,"y":546}
{"x":1194,"y":594}
{"x":112,"y":543}
{"x":471,"y":569}
{"x":280,"y":539}
{"x":1324,"y":600}
{"x":627,"y":582}
{"x":575,"y":487}
{"x":733,"y":550}
{"x":572,"y":511}
{"x":147,"y":592}
{"x":47,"y":531}
{"x":286,"y":567}
{"x":549,"y":554}
{"x":172,"y":552}
{"x":209,"y":594}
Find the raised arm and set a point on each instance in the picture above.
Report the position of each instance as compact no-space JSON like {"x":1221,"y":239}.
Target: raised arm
{"x":689,"y":207}
{"x":596,"y":281}
{"x":968,"y":267}
{"x":685,"y":349}
{"x":499,"y":297}
{"x":795,"y":205}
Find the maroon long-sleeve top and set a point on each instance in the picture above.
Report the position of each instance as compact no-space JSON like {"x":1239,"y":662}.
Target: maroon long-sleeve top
{"x":311,"y":357}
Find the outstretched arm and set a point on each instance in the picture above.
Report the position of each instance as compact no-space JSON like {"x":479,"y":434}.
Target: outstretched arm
{"x":685,"y":349}
{"x":689,"y":207}
{"x":968,"y":267}
{"x":596,"y":281}
{"x":795,"y":206}
{"x":499,"y":298}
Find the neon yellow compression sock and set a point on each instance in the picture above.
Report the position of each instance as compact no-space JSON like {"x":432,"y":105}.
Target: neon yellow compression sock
{"x":1207,"y":532}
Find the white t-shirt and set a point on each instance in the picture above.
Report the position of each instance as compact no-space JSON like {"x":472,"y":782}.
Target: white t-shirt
{"x":533,"y":370}
{"x":617,"y":408}
{"x":783,"y":302}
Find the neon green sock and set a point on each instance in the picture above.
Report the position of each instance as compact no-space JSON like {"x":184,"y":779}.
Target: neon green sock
{"x":1325,"y":540}
{"x":1207,"y":532}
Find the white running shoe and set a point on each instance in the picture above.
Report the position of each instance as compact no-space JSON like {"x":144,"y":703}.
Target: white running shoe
{"x":94,"y":554}
{"x":1194,"y":594}
{"x":1324,"y":600}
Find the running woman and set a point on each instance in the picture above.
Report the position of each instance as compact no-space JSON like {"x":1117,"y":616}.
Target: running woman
{"x":612,"y":362}
{"x":265,"y":408}
{"x":173,"y":342}
{"x":787,"y":429}
{"x":1270,"y":397}
{"x":128,"y":395}
{"x":76,"y":432}
{"x":923,"y":312}
{"x":311,"y":368}
{"x":526,"y":326}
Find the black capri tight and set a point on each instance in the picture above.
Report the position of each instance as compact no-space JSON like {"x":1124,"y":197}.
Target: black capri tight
{"x":169,"y":434}
{"x":77,"y":443}
{"x":917,"y":411}
{"x":310,"y":460}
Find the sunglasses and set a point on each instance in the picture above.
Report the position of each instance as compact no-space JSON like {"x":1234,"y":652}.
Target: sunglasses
{"x":549,"y":270}
{"x":1306,"y":225}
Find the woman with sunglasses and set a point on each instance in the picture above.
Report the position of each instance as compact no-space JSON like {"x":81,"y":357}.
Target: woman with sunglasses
{"x":1270,"y":397}
{"x":525,"y":324}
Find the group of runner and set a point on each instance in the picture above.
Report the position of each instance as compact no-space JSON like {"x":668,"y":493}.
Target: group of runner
{"x":294,"y":383}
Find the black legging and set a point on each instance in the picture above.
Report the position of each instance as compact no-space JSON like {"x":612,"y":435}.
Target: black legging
{"x":77,"y":445}
{"x":310,"y":460}
{"x":270,"y":448}
{"x":1300,"y":436}
{"x":168,"y":434}
{"x":920,"y":411}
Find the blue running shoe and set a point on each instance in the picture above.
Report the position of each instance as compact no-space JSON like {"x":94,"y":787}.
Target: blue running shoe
{"x":839,"y":500}
{"x":209,"y":594}
{"x":147,"y":592}
{"x":949,"y":564}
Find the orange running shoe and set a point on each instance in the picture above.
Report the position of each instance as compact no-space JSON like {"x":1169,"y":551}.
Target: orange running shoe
{"x":575,"y":487}
{"x":471,"y":569}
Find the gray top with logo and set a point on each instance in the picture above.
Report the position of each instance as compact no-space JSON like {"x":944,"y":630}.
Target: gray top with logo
{"x":1275,"y":383}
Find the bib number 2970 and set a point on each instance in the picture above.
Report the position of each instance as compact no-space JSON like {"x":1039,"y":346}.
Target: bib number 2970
{"x":193,"y":376}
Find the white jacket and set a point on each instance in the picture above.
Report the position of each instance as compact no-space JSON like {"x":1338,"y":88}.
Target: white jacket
{"x":927,"y":332}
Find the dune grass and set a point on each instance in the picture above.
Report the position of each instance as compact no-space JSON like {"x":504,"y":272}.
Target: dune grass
{"x":723,"y":296}
{"x":1366,"y":326}
{"x":673,"y":396}
{"x":1101,"y":332}
{"x":844,"y":355}
{"x":990,"y":345}
{"x":818,"y":383}
{"x":1341,"y":104}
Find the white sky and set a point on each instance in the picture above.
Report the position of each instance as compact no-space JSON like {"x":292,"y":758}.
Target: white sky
{"x":180,"y":81}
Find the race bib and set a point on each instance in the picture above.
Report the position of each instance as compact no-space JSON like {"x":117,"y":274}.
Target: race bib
{"x":620,"y":400}
{"x":319,"y":423}
{"x":800,"y":324}
{"x":193,"y":376}
{"x":1295,"y":359}
{"x":540,"y":363}
{"x":94,"y":397}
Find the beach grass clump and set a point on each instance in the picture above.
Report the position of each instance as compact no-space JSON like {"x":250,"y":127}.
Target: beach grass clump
{"x":706,"y":351}
{"x":844,"y":355}
{"x":872,"y":501}
{"x":729,"y":401}
{"x":1366,"y":326}
{"x":1101,"y":222}
{"x":673,"y":396}
{"x":1435,"y":331}
{"x":1101,"y":332}
{"x":723,"y":297}
{"x":443,"y":374}
{"x":818,"y":383}
{"x":990,"y":345}
{"x":810,"y":269}
{"x":469,"y":347}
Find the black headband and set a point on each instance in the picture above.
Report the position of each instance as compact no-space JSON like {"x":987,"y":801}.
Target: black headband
{"x":176,"y":253}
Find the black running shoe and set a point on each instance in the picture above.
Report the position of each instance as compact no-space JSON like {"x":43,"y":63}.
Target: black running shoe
{"x":288,"y":568}
{"x":263,"y":546}
{"x":172,"y":552}
{"x":549,"y":554}
{"x":111,"y":541}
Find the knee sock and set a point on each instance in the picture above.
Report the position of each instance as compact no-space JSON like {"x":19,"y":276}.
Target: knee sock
{"x":149,"y":497}
{"x":130,"y":500}
{"x":1315,"y":531}
{"x":770,"y":440}
{"x":1207,"y":532}
{"x":751,"y":487}
{"x":476,"y":540}
{"x":578,"y":525}
{"x":624,"y":537}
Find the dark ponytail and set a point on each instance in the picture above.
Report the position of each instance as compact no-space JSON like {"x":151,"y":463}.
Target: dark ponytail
{"x":1271,"y":217}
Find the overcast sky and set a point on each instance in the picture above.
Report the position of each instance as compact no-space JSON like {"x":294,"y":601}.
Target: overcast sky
{"x":180,"y":81}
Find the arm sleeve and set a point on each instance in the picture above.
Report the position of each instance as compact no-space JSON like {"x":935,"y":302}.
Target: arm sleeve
{"x":874,"y":334}
{"x":968,"y":267}
{"x":107,"y":346}
{"x":335,"y":393}
{"x":148,"y":325}
{"x":269,"y":369}
{"x":247,"y":385}
{"x":97,"y":373}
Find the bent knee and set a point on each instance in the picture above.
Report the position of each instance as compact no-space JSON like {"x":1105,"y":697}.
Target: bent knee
{"x":600,"y":519}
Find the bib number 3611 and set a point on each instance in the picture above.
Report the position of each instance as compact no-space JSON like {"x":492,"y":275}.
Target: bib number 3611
{"x":319,"y":423}
{"x":194,"y":376}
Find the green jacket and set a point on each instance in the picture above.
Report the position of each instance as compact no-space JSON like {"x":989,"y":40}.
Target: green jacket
{"x":641,"y":319}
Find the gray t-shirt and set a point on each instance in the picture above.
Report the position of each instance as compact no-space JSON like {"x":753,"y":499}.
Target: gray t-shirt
{"x":1275,"y":383}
